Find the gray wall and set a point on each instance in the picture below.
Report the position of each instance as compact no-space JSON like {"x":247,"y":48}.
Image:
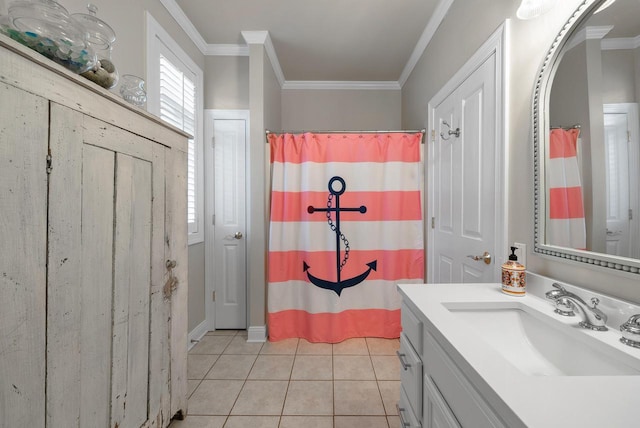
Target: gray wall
{"x":226,"y":83}
{"x":197,"y":312}
{"x":618,"y":76}
{"x":349,"y":110}
{"x":463,"y":30}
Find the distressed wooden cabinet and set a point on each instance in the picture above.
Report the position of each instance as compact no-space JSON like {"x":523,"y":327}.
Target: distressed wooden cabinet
{"x":93,"y":254}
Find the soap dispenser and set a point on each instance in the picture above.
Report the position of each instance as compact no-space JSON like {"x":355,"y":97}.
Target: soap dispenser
{"x":514,"y":278}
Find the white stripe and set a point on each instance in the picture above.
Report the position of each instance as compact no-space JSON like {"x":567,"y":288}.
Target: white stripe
{"x":359,"y":177}
{"x":305,"y":296}
{"x":568,"y":232}
{"x":563,"y":172}
{"x":362,"y":235}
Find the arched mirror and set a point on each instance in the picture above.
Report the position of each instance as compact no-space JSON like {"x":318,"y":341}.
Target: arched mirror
{"x":587,"y":139}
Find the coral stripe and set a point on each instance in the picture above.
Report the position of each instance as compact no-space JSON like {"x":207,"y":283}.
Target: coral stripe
{"x":566,"y":202}
{"x":334,"y":328}
{"x":292,"y":206}
{"x":308,"y":147}
{"x":563,"y":143}
{"x":391,"y":265}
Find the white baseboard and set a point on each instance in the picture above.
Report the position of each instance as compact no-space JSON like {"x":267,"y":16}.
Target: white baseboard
{"x":197,"y":333}
{"x":257,"y":333}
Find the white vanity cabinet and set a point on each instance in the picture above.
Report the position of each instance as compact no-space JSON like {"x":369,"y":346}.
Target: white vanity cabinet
{"x":444,"y":397}
{"x":93,"y":255}
{"x":410,"y":404}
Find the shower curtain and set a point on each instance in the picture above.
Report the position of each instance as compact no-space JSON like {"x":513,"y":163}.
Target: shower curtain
{"x":346,"y":227}
{"x":566,"y":224}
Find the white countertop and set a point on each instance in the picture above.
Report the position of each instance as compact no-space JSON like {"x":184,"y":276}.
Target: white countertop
{"x":534,"y":401}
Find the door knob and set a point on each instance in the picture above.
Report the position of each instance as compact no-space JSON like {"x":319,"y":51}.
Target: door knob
{"x":238,"y":235}
{"x":486,"y":257}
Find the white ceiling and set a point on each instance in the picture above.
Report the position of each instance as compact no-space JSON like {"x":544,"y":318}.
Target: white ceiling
{"x":327,"y":40}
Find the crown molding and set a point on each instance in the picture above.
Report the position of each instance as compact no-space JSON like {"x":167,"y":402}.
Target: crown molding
{"x":263,"y":38}
{"x":588,"y":33}
{"x":226,"y":50}
{"x":621,"y":43}
{"x":436,"y":19}
{"x":341,"y":85}
{"x":185,"y":23}
{"x":255,"y":37}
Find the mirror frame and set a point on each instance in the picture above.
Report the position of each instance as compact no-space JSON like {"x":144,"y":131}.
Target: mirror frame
{"x":540,"y":126}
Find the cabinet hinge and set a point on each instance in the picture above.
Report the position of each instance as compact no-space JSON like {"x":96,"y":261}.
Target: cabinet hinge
{"x":213,"y":296}
{"x":433,"y":222}
{"x":49,"y":163}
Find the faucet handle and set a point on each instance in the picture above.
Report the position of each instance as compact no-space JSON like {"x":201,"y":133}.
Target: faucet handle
{"x":597,"y":312}
{"x":558,"y":286}
{"x":631,"y":331}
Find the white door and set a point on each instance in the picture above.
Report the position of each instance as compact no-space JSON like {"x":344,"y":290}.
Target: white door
{"x":464,"y":181}
{"x":230,"y":224}
{"x":616,"y":143}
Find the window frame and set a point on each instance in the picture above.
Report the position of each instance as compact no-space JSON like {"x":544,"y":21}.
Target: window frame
{"x":160,"y":42}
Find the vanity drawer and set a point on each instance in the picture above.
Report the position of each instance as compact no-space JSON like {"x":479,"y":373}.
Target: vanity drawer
{"x":411,"y":374}
{"x":466,"y":404}
{"x":411,"y":327}
{"x":408,"y":419}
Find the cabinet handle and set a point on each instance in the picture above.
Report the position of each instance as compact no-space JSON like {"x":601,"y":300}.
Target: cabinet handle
{"x":405,"y":365}
{"x":400,"y":410}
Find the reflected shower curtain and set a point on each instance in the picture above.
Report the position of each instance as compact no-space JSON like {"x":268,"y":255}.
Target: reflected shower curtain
{"x":566,"y":223}
{"x":346,"y":227}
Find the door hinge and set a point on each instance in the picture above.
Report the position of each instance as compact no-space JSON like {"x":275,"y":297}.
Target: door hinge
{"x":433,"y":222}
{"x":213,"y":142}
{"x":49,"y":163}
{"x":630,"y":214}
{"x":213,"y":219}
{"x":433,"y":135}
{"x":628,"y":136}
{"x":213,"y":296}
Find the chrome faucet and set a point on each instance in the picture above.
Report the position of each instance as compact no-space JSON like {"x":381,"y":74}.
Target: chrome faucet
{"x":568,"y":303}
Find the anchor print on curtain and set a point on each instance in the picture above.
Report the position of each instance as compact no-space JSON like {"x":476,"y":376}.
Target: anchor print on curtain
{"x":346,"y":227}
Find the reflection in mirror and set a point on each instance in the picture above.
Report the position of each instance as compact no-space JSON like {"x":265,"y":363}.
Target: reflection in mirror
{"x":588,"y":146}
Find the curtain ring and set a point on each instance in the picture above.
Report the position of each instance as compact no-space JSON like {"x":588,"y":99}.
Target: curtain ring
{"x":449,"y":132}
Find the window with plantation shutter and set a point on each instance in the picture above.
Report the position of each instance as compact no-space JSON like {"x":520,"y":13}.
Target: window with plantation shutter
{"x":177,"y":106}
{"x":175,"y":95}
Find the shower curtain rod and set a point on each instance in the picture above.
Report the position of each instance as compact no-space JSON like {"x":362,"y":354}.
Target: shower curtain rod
{"x":576,"y":126}
{"x":409,"y":131}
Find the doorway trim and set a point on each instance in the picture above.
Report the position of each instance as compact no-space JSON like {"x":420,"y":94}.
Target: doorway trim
{"x":495,"y":45}
{"x":211,"y":115}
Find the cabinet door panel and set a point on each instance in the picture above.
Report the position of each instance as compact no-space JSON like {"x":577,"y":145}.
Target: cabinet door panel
{"x":96,"y":286}
{"x":23,"y":233}
{"x":64,"y":297}
{"x":132,"y":292}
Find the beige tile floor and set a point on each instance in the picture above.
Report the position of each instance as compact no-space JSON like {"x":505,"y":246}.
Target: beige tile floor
{"x":292,"y":383}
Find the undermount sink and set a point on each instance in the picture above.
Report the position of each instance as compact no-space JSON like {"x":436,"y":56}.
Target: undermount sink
{"x":539,"y":345}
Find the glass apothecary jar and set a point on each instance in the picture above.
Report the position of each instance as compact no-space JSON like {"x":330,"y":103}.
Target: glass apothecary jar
{"x":132,"y":90}
{"x":46,"y":27}
{"x":101,"y":39}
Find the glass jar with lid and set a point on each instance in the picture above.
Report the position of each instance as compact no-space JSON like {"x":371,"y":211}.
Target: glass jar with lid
{"x":100,"y":38}
{"x":46,"y":27}
{"x":132,"y":90}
